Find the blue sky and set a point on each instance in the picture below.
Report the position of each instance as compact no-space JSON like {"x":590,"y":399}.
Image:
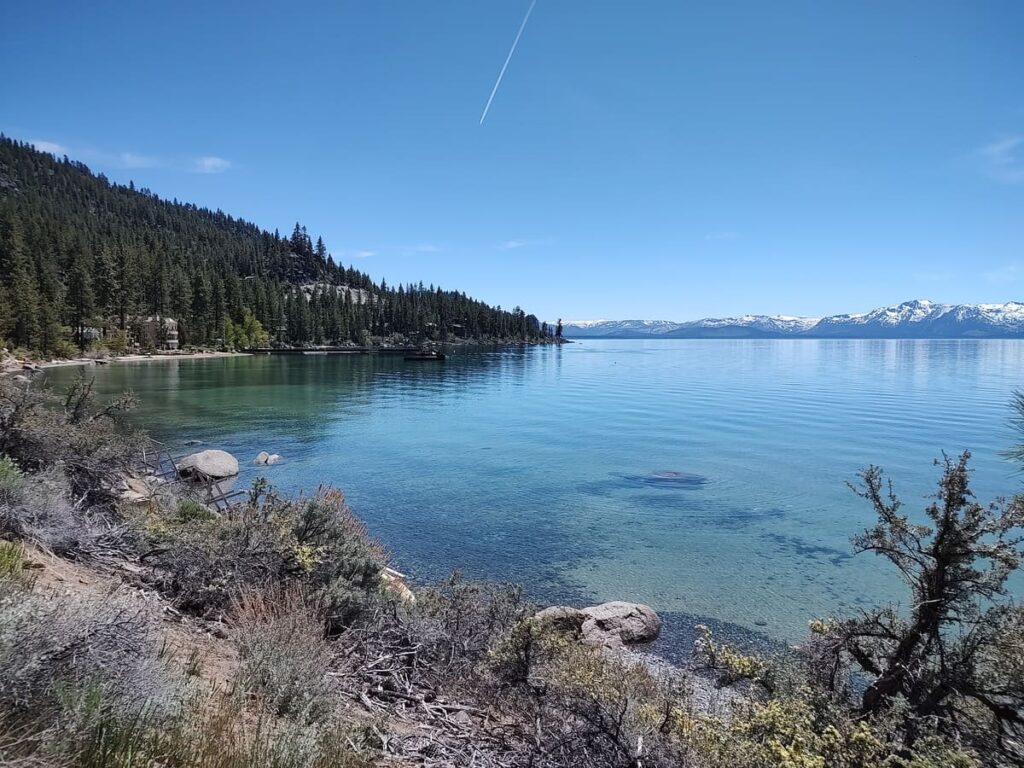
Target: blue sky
{"x":641,"y":159}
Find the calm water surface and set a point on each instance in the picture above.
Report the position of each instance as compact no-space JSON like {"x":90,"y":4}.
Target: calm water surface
{"x":542,"y":465}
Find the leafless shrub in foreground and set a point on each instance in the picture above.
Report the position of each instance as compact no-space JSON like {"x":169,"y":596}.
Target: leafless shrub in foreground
{"x":60,"y":652}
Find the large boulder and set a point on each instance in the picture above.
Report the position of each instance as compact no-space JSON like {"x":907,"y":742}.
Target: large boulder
{"x":617,"y":623}
{"x":562,"y":618}
{"x":211,"y":464}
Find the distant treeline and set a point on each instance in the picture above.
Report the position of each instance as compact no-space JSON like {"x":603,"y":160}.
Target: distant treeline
{"x":81,"y":256}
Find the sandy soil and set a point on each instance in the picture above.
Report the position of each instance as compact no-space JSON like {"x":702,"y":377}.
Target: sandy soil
{"x":182,"y":636}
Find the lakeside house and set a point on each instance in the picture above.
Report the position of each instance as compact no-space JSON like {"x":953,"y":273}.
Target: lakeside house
{"x":157,"y":332}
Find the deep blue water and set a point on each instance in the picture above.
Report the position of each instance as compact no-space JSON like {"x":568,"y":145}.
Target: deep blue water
{"x":706,"y":478}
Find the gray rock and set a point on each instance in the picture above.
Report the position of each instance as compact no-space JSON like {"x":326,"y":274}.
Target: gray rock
{"x":267,"y":458}
{"x":617,"y":623}
{"x":562,"y":618}
{"x":136,"y":490}
{"x":211,"y":464}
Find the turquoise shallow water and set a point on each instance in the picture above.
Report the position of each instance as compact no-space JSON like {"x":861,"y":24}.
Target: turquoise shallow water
{"x":534,"y":464}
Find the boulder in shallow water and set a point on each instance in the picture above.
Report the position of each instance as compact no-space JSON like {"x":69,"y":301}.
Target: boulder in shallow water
{"x":619,"y":623}
{"x":212,"y":464}
{"x":267,"y":458}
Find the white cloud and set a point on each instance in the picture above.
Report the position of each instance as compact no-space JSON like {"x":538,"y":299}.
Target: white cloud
{"x":356,"y":254}
{"x":511,"y":245}
{"x":135,"y":160}
{"x":210,"y":164}
{"x":49,"y":146}
{"x":1010,"y":273}
{"x":1003,"y":159}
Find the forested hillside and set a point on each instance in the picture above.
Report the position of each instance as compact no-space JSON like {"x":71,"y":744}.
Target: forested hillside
{"x":82,"y":257}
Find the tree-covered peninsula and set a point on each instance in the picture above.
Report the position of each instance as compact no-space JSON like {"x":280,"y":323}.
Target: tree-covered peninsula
{"x":85,"y":261}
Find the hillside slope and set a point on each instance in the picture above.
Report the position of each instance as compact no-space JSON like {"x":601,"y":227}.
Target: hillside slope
{"x":81,"y":257}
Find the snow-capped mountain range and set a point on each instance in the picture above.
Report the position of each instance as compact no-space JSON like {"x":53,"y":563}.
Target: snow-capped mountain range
{"x":920,"y":319}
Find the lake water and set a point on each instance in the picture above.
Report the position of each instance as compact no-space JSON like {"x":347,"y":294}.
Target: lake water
{"x":541,"y":465}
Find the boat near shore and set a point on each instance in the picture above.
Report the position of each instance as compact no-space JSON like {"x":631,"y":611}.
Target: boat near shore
{"x":425,"y":356}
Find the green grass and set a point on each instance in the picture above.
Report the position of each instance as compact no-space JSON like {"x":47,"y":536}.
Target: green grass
{"x":12,"y":560}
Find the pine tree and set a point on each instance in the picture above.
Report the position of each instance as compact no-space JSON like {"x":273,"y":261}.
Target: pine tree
{"x":75,"y":248}
{"x":22,"y":299}
{"x":81,"y":299}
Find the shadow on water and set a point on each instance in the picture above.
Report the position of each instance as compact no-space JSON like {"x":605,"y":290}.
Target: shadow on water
{"x":691,"y":508}
{"x":794,"y":545}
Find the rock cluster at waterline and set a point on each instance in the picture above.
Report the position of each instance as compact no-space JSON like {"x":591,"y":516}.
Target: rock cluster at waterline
{"x":608,"y":625}
{"x":267,"y":458}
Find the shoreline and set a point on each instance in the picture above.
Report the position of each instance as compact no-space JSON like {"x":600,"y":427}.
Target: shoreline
{"x":13,"y":366}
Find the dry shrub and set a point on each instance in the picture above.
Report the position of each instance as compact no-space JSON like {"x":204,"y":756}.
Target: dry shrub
{"x":312,"y":541}
{"x":39,"y":508}
{"x":39,"y":430}
{"x":577,"y":706}
{"x":455,"y":624}
{"x":220,"y":732}
{"x":283,"y":651}
{"x":52,"y":646}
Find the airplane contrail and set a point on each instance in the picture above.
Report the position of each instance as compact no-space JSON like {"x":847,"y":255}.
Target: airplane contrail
{"x":508,"y":58}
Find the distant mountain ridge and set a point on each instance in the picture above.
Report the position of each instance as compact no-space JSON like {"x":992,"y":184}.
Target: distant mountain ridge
{"x":918,"y":319}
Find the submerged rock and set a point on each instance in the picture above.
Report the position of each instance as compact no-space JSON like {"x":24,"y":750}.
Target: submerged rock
{"x":213,"y":464}
{"x":671,"y":479}
{"x":267,"y":458}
